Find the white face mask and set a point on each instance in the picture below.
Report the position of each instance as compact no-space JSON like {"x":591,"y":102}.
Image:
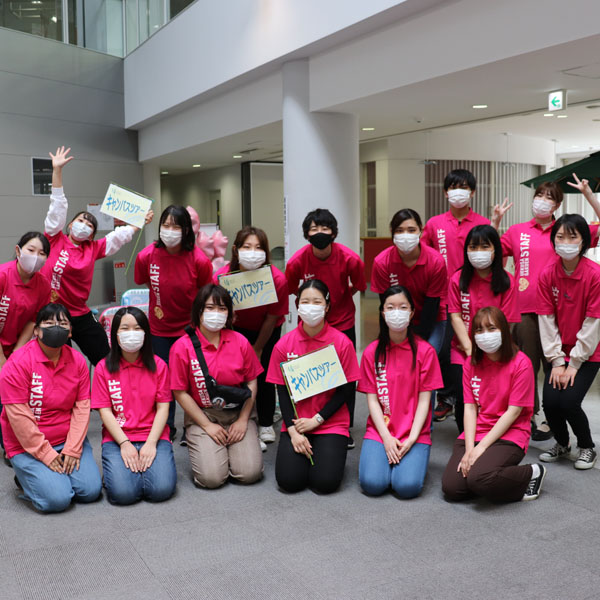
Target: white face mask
{"x":31,"y":263}
{"x":542,"y":208}
{"x":311,"y":314}
{"x":214,"y":320}
{"x":397,"y":320}
{"x":481,"y":259}
{"x":459,"y":198}
{"x":406,"y":242}
{"x":169,"y":237}
{"x":252,"y":259}
{"x":131,"y":341}
{"x":567,"y":251}
{"x":490,"y":341}
{"x":80,"y":231}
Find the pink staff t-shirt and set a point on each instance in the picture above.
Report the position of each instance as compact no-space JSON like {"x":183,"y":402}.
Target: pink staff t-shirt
{"x":570,"y":299}
{"x":30,"y":377}
{"x":397,"y":385}
{"x":70,"y":270}
{"x":174,"y":281}
{"x":447,"y":235}
{"x":132,"y":393}
{"x":253,"y":318}
{"x":479,"y":296}
{"x":296,"y":343}
{"x":530,"y":246}
{"x":494,"y":386}
{"x":340,"y":266}
{"x":19,"y":303}
{"x":426,"y":278}
{"x":234,"y":362}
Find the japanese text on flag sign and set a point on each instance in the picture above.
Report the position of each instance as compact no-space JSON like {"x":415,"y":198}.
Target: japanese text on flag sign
{"x":126,"y":205}
{"x":249,"y":289}
{"x":313,"y":373}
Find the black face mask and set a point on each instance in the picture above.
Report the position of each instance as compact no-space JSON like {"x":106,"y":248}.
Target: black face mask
{"x":320,"y":240}
{"x":55,"y":336}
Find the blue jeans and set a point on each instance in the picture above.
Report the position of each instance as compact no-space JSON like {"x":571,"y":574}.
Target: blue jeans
{"x":49,"y":491}
{"x":376,"y":475}
{"x":161,"y":346}
{"x":126,"y":487}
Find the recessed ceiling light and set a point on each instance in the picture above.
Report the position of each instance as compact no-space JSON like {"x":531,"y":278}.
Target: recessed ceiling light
{"x":548,"y":114}
{"x":237,"y":156}
{"x":574,"y":146}
{"x":164,"y":172}
{"x":368,"y":128}
{"x":196,"y":166}
{"x":480,"y":105}
{"x":561,"y":116}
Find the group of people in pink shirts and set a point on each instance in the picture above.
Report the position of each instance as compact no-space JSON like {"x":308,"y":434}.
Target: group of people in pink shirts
{"x":452,"y":320}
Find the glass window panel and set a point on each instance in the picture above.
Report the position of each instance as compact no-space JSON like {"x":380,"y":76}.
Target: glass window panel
{"x":42,"y":176}
{"x":39,"y":17}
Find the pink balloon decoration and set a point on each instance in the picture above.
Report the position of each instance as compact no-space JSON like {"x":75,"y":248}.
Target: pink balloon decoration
{"x":214,"y":246}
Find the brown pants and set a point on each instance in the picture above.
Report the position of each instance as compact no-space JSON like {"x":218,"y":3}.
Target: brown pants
{"x":212,"y":464}
{"x":496,"y":474}
{"x":527,"y":337}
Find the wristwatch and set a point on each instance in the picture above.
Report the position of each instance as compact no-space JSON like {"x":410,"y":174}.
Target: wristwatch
{"x":319,"y":418}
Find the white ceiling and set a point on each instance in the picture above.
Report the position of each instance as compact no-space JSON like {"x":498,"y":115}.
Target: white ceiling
{"x":514,"y":89}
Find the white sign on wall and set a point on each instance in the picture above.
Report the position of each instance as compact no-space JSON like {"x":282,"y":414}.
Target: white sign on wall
{"x":557,"y":100}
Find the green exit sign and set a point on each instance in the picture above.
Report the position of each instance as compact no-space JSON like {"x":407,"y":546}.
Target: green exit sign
{"x":557,"y":100}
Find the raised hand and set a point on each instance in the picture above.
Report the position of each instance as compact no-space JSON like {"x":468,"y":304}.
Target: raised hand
{"x":61,"y":158}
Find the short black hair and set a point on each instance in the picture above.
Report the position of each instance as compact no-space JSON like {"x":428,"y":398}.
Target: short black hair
{"x":318,"y":285}
{"x":573,"y":223}
{"x":89,"y":217}
{"x":52,"y":310}
{"x":181,"y":217}
{"x":320,"y":216}
{"x":30,"y":235}
{"x":146,"y":353}
{"x":403,"y":215}
{"x":459,"y":177}
{"x":220,"y":296}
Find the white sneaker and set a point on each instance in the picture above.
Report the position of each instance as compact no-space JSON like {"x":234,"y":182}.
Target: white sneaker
{"x":266,"y":434}
{"x":263,"y":446}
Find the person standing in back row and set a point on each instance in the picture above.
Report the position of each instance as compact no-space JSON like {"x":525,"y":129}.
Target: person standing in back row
{"x":447,"y":233}
{"x":338,"y":267}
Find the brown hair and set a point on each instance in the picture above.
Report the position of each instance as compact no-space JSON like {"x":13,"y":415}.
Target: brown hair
{"x":240,"y":238}
{"x":550,"y":188}
{"x":219,"y":295}
{"x":496,"y":316}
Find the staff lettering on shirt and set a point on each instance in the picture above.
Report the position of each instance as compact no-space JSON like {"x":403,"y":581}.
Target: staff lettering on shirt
{"x":154,"y":271}
{"x":555,"y":293}
{"x":116,"y":398}
{"x":393,"y":279}
{"x":58,"y":270}
{"x":465,"y":303}
{"x":382,"y":388}
{"x":308,"y":276}
{"x":36,"y":395}
{"x":524,"y":242}
{"x":441,"y":238}
{"x":200,"y":381}
{"x":291,"y":355}
{"x":476,"y":387}
{"x":4,"y":306}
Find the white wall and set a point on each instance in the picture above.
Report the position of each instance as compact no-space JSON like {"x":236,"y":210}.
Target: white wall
{"x":55,"y":94}
{"x":193,"y":190}
{"x":267,"y":200}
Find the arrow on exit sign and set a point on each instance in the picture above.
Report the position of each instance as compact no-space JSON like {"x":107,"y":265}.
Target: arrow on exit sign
{"x":557,"y":100}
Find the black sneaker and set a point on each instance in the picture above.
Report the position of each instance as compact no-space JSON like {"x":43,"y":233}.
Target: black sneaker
{"x":183,"y":441}
{"x":586,"y":459}
{"x":7,"y":460}
{"x":557,"y":451}
{"x":442,"y":411}
{"x":172,"y":433}
{"x":351,"y":442}
{"x":18,"y":483}
{"x":535,"y":485}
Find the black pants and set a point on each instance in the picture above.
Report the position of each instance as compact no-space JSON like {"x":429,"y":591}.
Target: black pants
{"x":444,"y":358}
{"x":456,"y":372}
{"x":564,"y":406}
{"x":294,"y":472}
{"x":161,"y":346}
{"x":265,"y":398}
{"x":351,"y":399}
{"x":91,"y":338}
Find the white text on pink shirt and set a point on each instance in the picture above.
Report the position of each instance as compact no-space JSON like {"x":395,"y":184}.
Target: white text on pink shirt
{"x":36,"y":395}
{"x":4,"y":306}
{"x":524,"y":243}
{"x":59,"y":269}
{"x":382,"y":388}
{"x":465,"y":304}
{"x":476,"y":388}
{"x":200,"y":381}
{"x":116,"y":398}
{"x":155,"y":281}
{"x":441,"y":239}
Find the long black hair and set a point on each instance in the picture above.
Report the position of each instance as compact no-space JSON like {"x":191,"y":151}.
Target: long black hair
{"x":146,"y":353}
{"x":500,"y":279}
{"x":180,"y":217}
{"x":383,"y":340}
